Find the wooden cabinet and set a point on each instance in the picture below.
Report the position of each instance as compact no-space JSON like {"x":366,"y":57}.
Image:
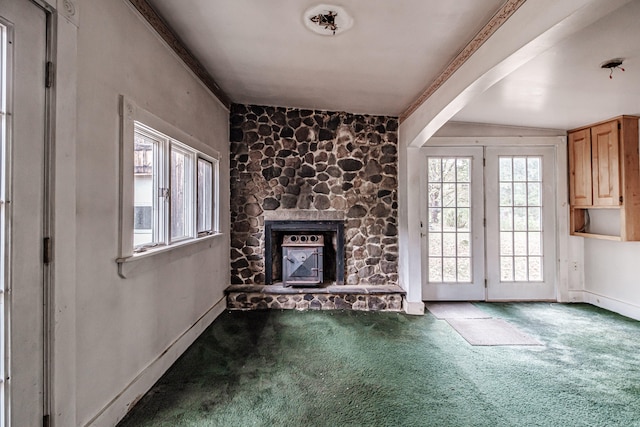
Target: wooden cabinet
{"x":604,"y":173}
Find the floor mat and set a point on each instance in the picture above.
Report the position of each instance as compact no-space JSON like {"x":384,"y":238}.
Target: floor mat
{"x":455,"y":310}
{"x":490,"y":332}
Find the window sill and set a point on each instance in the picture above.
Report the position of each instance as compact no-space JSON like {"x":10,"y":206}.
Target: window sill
{"x":126,"y":265}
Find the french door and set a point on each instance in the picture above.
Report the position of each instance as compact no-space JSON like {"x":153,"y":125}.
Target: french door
{"x":23,"y":49}
{"x":490,"y":223}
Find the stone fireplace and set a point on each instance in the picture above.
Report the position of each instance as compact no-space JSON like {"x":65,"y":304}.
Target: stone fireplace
{"x":297,"y":171}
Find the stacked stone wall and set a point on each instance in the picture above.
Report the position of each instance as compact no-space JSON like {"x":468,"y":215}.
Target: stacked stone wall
{"x":287,"y":158}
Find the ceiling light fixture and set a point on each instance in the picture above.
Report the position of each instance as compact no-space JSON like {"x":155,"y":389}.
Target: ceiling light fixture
{"x":327,"y":20}
{"x":612,"y":64}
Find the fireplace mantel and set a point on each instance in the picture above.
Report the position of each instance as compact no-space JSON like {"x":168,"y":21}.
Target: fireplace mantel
{"x":303,"y":215}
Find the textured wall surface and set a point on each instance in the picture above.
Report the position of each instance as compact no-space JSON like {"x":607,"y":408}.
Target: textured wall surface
{"x":287,"y":158}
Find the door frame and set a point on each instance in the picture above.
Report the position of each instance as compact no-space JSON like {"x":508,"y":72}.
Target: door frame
{"x":565,"y":249}
{"x":46,"y":253}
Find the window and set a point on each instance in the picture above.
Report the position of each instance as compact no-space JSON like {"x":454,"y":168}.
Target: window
{"x":168,"y":185}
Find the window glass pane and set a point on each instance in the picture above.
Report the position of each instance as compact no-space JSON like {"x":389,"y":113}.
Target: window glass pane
{"x":519,"y":194}
{"x":535,"y":269}
{"x":435,"y":244}
{"x":520,"y":269}
{"x":520,"y":243}
{"x":205,"y":196}
{"x":464,"y":195}
{"x":464,"y":270}
{"x":464,"y":222}
{"x":449,"y":244}
{"x":520,"y":219}
{"x":435,"y":170}
{"x":505,"y":169}
{"x":180,"y":193}
{"x":506,"y":269}
{"x":519,"y":169}
{"x":464,"y":244}
{"x":449,"y":270}
{"x":534,"y":194}
{"x":449,"y":170}
{"x":145,"y":199}
{"x":535,"y":222}
{"x":506,"y":194}
{"x":448,"y":195}
{"x":506,"y":219}
{"x":534,"y":168}
{"x":464,"y":167}
{"x":506,"y":243}
{"x":435,"y":270}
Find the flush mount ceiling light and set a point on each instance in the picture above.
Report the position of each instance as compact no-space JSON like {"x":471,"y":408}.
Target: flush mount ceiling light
{"x":612,"y":64}
{"x":327,"y":20}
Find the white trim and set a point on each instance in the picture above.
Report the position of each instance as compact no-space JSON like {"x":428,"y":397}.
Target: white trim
{"x":612,"y":304}
{"x":126,"y":265}
{"x":413,"y":308}
{"x":117,"y":408}
{"x":491,"y":141}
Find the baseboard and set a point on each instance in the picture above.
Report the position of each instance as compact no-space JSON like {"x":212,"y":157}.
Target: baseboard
{"x":611,"y":304}
{"x":115,"y":410}
{"x":414,"y":308}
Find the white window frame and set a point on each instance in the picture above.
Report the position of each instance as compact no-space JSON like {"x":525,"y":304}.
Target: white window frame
{"x":134,"y":117}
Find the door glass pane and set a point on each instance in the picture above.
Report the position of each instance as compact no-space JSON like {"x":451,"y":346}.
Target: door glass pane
{"x":521,"y":251}
{"x":449,"y":210}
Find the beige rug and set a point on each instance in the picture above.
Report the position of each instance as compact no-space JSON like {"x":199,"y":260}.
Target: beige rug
{"x":489,"y":332}
{"x":455,"y":310}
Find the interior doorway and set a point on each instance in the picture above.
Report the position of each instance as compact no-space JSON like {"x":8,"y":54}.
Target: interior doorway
{"x":23,"y":63}
{"x":490,"y":223}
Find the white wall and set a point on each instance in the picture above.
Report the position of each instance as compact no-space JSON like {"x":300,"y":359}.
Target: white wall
{"x":123,"y":326}
{"x":611,"y":275}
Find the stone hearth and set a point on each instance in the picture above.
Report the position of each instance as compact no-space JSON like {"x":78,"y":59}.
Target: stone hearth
{"x":332,"y":297}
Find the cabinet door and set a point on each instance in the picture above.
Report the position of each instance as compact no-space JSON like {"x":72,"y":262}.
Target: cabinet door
{"x":580,"y":188}
{"x":606,"y":161}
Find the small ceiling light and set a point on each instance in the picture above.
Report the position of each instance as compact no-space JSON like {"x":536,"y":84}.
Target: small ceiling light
{"x":612,"y":64}
{"x":327,"y":20}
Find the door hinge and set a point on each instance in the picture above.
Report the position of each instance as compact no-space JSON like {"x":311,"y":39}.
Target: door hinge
{"x":620,"y":199}
{"x":48,"y":81}
{"x":485,"y":283}
{"x":484,"y":162}
{"x":47,"y":251}
{"x":46,"y":421}
{"x":484,"y":222}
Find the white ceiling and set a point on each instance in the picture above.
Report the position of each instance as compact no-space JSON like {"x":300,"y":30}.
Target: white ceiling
{"x":260,"y":52}
{"x":565,"y":87}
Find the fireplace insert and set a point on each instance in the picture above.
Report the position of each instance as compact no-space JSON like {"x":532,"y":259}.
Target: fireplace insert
{"x":302,"y":259}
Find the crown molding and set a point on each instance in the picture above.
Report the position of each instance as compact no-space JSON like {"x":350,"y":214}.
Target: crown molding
{"x":505,"y":12}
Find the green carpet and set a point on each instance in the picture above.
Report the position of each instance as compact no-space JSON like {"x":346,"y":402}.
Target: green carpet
{"x":288,"y":368}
